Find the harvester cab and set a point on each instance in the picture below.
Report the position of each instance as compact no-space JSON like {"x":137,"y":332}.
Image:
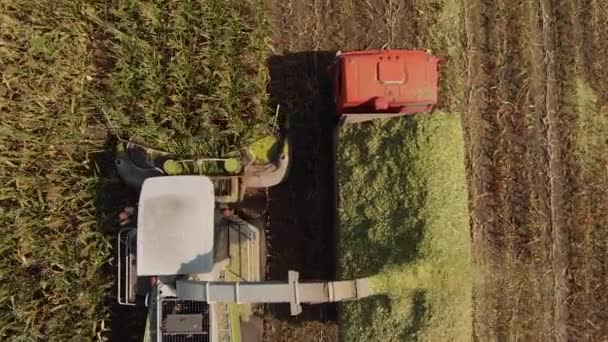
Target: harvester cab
{"x":202,"y":268}
{"x":383,"y":83}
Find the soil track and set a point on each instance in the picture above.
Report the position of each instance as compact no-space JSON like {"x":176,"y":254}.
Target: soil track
{"x":525,"y":59}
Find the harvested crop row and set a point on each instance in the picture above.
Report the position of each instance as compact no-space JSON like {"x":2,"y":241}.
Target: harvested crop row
{"x":588,"y":128}
{"x":187,"y":75}
{"x":508,"y":200}
{"x":524,"y":216}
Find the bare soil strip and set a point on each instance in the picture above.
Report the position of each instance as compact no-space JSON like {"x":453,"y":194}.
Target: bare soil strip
{"x":536,"y":159}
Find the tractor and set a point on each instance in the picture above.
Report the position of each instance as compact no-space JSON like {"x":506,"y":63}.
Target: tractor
{"x":197,"y":266}
{"x":378,"y":84}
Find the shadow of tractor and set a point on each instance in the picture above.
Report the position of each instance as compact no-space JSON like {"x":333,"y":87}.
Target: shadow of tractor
{"x":302,"y":233}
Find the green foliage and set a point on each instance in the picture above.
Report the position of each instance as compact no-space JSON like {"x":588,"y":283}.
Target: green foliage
{"x":408,"y":222}
{"x":188,"y":76}
{"x":51,"y":255}
{"x":403,"y":207}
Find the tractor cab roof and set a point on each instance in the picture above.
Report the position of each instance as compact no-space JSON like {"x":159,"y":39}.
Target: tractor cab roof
{"x":176,"y":226}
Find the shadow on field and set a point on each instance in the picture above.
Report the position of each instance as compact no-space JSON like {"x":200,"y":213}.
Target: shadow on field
{"x":302,"y":233}
{"x":127,"y":323}
{"x":418,"y":313}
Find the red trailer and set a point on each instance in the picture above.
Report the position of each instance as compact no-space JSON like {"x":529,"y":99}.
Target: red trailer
{"x":384,"y":83}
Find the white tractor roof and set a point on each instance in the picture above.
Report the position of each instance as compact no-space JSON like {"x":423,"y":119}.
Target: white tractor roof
{"x":175,"y":226}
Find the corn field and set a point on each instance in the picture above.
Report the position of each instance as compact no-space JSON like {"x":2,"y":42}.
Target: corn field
{"x":188,"y":76}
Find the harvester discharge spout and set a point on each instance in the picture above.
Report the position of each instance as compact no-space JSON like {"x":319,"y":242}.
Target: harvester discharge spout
{"x":292,"y":291}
